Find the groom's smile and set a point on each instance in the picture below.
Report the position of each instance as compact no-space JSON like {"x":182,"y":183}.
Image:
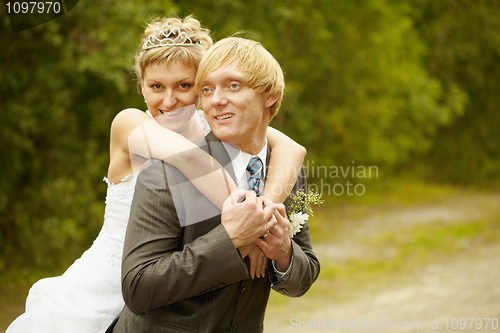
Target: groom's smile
{"x":224,"y":116}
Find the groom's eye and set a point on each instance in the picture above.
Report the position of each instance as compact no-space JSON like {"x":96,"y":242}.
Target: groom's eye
{"x":234,"y":85}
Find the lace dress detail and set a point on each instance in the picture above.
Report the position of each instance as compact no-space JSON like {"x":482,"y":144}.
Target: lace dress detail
{"x":87,"y":297}
{"x":126,"y":186}
{"x":111,"y":236}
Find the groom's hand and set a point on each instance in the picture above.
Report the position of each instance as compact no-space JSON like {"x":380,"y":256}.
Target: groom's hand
{"x":277,"y":245}
{"x":246,"y":217}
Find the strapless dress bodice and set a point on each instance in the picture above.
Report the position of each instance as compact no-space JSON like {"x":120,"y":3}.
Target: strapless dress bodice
{"x":118,"y":201}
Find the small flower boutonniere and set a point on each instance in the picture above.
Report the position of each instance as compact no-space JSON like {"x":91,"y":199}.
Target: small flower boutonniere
{"x":300,"y":209}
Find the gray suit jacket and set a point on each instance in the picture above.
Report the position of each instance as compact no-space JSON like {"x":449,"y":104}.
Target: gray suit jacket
{"x":191,"y":278}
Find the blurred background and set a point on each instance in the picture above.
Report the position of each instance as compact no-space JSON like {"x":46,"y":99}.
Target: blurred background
{"x":396,"y":102}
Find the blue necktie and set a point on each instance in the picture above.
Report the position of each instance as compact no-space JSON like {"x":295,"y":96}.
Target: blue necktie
{"x":255,"y":169}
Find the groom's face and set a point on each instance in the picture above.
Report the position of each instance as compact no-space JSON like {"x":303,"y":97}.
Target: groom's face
{"x":235,"y":112}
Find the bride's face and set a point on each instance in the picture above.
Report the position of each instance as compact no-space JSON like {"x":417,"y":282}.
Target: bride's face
{"x":167,"y":89}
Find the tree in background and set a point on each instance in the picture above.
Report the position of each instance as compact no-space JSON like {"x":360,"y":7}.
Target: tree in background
{"x":62,"y":84}
{"x":375,"y":82}
{"x":463,"y":42}
{"x":357,"y":85}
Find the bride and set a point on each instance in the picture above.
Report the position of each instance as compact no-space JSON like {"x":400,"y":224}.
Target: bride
{"x":87,"y":297}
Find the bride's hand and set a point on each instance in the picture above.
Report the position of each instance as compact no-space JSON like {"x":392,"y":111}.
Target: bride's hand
{"x":258,"y":263}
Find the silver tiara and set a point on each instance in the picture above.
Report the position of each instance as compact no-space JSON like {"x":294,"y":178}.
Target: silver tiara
{"x":168,"y":36}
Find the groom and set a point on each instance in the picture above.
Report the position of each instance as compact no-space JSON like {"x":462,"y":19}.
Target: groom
{"x":193,"y":278}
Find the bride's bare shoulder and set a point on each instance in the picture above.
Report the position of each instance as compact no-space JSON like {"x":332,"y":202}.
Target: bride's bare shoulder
{"x":128,"y":119}
{"x":130,"y":115}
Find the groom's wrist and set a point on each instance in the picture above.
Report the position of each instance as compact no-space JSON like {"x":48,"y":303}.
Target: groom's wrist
{"x":282,"y":265}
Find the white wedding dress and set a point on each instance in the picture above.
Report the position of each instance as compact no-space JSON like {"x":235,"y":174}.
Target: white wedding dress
{"x":87,"y":297}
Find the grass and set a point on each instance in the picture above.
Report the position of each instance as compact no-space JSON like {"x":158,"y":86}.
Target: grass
{"x":398,"y":192}
{"x":381,"y":196}
{"x":14,"y":286}
{"x":407,"y":249}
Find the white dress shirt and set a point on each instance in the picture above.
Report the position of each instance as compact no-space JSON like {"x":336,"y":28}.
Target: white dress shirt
{"x":239,"y":162}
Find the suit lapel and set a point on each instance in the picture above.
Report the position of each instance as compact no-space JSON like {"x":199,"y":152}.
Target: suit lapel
{"x":217,"y":150}
{"x":266,"y":165}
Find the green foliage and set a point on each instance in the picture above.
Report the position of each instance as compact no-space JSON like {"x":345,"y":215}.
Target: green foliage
{"x":357,"y":86}
{"x":463,"y":39}
{"x":375,"y":82}
{"x":62,"y":84}
{"x":301,"y":202}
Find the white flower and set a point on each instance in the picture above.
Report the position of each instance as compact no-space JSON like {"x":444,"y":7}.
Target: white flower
{"x":299,"y":209}
{"x":296,"y":221}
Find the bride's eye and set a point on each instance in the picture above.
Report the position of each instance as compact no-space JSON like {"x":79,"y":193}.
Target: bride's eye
{"x":234,"y":86}
{"x":186,"y":85}
{"x":155,"y":86}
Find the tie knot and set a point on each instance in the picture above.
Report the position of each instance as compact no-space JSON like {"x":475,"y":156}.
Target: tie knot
{"x":254,"y":166}
{"x":255,"y":169}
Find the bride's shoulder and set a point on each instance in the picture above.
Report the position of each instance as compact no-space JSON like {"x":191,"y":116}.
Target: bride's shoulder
{"x":128,"y":119}
{"x":130,"y":115}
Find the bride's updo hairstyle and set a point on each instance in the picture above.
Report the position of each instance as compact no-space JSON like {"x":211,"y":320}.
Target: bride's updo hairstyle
{"x":172,"y":39}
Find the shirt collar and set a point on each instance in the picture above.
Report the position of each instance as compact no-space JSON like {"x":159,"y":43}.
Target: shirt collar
{"x":239,"y":160}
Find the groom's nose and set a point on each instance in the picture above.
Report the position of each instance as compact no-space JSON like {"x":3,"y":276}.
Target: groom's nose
{"x":219,"y":97}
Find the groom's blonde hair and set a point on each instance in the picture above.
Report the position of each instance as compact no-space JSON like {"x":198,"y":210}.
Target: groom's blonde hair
{"x":261,"y":70}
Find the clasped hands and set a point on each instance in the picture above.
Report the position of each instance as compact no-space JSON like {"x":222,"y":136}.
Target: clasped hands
{"x":258,"y":228}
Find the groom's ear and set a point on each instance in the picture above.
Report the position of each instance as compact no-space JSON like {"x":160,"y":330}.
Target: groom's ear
{"x":272,"y":99}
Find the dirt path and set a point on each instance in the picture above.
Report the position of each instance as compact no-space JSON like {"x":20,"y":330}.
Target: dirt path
{"x":466,"y":287}
{"x":434,"y":298}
